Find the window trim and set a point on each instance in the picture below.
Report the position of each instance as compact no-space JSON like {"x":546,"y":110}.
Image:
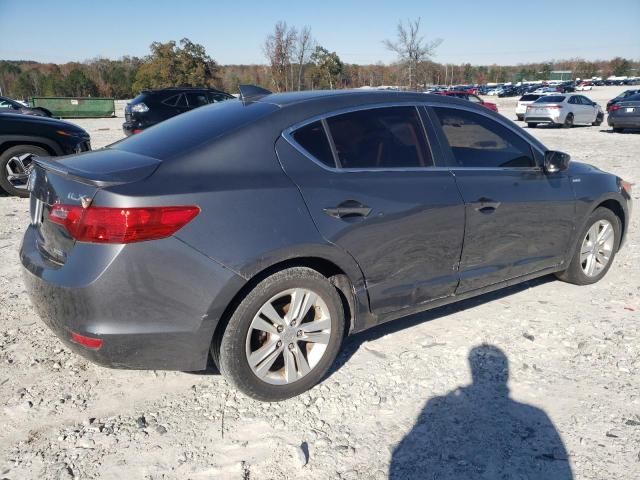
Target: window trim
{"x":287,"y":134}
{"x":434,"y":138}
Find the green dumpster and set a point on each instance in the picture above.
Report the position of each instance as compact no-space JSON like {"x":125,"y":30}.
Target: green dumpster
{"x":77,"y":107}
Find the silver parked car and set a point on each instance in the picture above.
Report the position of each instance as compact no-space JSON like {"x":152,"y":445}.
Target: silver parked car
{"x":565,"y":110}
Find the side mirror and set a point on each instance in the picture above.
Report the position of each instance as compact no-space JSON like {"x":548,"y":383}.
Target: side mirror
{"x":555,"y":161}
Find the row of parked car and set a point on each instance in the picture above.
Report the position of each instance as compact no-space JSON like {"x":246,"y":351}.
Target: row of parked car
{"x":569,"y":109}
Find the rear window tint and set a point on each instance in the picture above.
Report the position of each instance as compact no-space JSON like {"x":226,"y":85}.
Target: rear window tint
{"x":313,"y":139}
{"x":184,"y":132}
{"x":529,"y":98}
{"x":171,"y":101}
{"x":389,"y":137}
{"x":551,"y":99}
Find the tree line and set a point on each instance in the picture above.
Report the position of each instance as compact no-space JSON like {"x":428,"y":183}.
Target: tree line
{"x":295,"y":60}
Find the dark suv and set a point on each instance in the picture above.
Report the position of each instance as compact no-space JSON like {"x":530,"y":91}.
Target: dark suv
{"x":23,"y":136}
{"x":154,"y":106}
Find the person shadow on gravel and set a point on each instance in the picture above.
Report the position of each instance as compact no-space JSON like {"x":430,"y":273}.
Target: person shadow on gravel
{"x":478,"y":432}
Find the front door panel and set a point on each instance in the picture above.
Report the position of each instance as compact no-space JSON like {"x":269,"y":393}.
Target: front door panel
{"x":518,"y":222}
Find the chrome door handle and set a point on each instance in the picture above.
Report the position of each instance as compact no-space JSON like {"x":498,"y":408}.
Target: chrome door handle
{"x":348,"y":208}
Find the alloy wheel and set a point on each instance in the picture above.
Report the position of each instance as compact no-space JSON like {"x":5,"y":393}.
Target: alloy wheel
{"x":597,"y":247}
{"x":18,"y":169}
{"x":288,"y":336}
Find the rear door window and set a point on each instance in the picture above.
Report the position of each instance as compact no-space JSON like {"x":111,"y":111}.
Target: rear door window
{"x":172,"y":100}
{"x":477,"y":141}
{"x":314,"y":140}
{"x":196,"y":99}
{"x":217,"y":97}
{"x":389,"y":137}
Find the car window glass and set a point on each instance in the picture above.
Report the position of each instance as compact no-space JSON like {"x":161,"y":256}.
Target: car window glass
{"x":585,"y":100}
{"x":478,"y":141}
{"x":196,"y":99}
{"x":217,"y":97}
{"x":313,"y":139}
{"x":171,"y":101}
{"x":573,"y":100}
{"x":4,"y":104}
{"x":551,"y":99}
{"x":182,"y":101}
{"x":391,"y":137}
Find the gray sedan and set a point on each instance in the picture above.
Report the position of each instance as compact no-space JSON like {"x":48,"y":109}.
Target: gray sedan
{"x":262,"y":231}
{"x":625,"y":114}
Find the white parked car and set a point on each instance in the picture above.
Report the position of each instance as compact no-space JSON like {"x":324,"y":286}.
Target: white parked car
{"x":545,"y":90}
{"x":495,"y":91}
{"x":565,"y":110}
{"x":526,"y":99}
{"x":584,"y":87}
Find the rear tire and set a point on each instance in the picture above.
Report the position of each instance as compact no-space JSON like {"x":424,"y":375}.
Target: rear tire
{"x":532,"y":124}
{"x":11,"y":165}
{"x":568,"y":121}
{"x":618,"y":129}
{"x":575,"y":272}
{"x":289,"y":365}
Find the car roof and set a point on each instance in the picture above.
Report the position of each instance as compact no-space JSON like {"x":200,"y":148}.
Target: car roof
{"x":181,"y":89}
{"x":352,"y":97}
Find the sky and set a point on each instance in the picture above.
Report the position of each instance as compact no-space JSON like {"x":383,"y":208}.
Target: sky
{"x":504,"y":32}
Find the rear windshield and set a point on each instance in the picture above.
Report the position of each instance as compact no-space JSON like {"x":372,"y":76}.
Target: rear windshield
{"x":184,"y":132}
{"x":633,"y":98}
{"x":551,"y":99}
{"x":529,"y":98}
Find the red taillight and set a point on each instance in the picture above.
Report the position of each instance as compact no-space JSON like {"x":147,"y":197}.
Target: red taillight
{"x":87,"y":342}
{"x":136,"y":130}
{"x":121,"y":225}
{"x":615,"y":106}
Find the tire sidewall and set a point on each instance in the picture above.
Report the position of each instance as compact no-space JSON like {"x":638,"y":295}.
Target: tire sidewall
{"x":232,"y":353}
{"x":4,"y":159}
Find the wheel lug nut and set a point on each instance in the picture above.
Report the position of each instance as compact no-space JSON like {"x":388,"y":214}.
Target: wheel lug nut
{"x":291,"y":346}
{"x":279,"y":344}
{"x":280,"y":328}
{"x":299,"y":334}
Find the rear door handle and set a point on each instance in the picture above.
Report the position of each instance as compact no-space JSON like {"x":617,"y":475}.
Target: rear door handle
{"x":348,"y":208}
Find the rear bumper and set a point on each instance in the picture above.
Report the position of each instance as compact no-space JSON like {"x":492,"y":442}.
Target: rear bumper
{"x":540,"y":119}
{"x":631,"y":121}
{"x":154,"y":304}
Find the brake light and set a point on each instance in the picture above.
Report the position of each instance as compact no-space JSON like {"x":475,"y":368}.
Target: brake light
{"x":626,"y":186}
{"x":121,"y":225}
{"x":615,"y":106}
{"x":87,"y":342}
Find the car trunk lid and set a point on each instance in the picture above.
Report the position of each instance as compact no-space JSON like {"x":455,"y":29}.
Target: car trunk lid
{"x":74,"y":181}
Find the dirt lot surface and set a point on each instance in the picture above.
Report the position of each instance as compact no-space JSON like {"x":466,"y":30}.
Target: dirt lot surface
{"x":401,"y":402}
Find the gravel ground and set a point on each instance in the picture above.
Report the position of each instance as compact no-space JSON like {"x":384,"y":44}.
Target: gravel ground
{"x":401,"y":403}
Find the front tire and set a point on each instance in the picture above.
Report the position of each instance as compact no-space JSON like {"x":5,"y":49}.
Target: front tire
{"x":597,"y":246}
{"x":284,"y":335}
{"x":15,"y":168}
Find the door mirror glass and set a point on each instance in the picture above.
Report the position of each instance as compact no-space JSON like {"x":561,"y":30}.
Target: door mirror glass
{"x":555,"y":161}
